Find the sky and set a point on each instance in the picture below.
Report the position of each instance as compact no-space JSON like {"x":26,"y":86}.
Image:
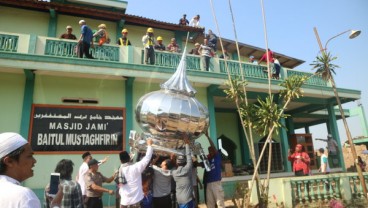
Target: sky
{"x":289,"y":25}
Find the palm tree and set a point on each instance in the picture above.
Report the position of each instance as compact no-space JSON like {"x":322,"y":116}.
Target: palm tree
{"x":324,"y":67}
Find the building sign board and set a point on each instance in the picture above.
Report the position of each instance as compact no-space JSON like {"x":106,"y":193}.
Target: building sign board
{"x":63,"y":128}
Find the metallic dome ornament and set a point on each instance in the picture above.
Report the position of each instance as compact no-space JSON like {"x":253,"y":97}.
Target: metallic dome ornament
{"x":168,"y":114}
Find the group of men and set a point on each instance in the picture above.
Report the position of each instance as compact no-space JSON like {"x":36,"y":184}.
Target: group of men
{"x":133,"y":191}
{"x":194,"y":22}
{"x":17,"y":161}
{"x":301,"y":160}
{"x":205,"y":50}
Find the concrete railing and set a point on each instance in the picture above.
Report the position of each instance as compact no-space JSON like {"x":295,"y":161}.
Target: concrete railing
{"x":40,"y":45}
{"x":309,"y":190}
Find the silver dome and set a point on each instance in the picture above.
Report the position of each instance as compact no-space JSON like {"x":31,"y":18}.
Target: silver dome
{"x":173,"y":111}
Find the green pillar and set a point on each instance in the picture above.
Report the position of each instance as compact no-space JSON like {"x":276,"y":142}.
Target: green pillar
{"x":211,"y":111}
{"x":328,"y":124}
{"x":179,"y":37}
{"x":32,"y":44}
{"x":290,"y":125}
{"x":27,"y":102}
{"x":129,"y":109}
{"x":119,"y":28}
{"x":307,"y":130}
{"x":335,"y":133}
{"x":359,"y":111}
{"x":244,"y":147}
{"x":52,"y":24}
{"x":234,"y":56}
{"x":284,"y":139}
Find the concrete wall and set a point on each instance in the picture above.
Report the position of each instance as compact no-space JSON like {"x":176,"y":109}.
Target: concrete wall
{"x":231,"y":130}
{"x":24,"y":21}
{"x":11,"y":106}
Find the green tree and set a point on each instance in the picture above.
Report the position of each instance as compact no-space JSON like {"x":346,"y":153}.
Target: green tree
{"x":324,"y":67}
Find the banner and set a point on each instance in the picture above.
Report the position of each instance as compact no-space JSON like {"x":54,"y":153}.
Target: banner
{"x":76,"y":128}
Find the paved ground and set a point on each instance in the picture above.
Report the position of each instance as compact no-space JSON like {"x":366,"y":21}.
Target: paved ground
{"x":228,"y":204}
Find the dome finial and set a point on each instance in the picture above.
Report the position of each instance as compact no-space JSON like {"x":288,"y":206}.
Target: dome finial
{"x":179,"y":82}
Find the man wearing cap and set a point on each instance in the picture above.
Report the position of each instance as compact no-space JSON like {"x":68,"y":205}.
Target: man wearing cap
{"x":16,"y":163}
{"x":68,"y":34}
{"x":94,"y":190}
{"x":183,"y":21}
{"x":300,"y":160}
{"x":212,"y":179}
{"x":148,"y":41}
{"x":183,"y":178}
{"x":130,"y":178}
{"x":123,"y":41}
{"x":84,"y":169}
{"x":333,"y":149}
{"x":252,"y":60}
{"x":102,"y":35}
{"x":160,"y":46}
{"x":85,"y":40}
{"x":195,"y":51}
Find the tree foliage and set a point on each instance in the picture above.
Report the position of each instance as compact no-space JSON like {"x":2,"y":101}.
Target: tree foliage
{"x":324,"y":67}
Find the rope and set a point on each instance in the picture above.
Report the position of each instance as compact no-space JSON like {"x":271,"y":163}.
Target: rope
{"x":266,"y":42}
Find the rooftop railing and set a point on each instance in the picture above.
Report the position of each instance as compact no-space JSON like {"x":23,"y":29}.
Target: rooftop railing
{"x":20,"y":43}
{"x":8,"y":43}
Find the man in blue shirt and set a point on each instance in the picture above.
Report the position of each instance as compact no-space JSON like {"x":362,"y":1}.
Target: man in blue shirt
{"x":85,"y":40}
{"x":212,"y":179}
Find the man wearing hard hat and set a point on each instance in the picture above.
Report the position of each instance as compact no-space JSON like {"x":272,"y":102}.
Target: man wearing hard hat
{"x":159,"y":45}
{"x":148,"y":41}
{"x":123,"y":41}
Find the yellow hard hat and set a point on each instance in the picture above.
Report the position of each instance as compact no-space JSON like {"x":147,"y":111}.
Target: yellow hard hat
{"x":150,"y":30}
{"x":103,"y":26}
{"x":159,"y":38}
{"x":124,"y":31}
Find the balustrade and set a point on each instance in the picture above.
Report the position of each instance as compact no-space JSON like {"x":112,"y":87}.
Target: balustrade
{"x":249,"y":70}
{"x":313,"y":80}
{"x":356,"y":187}
{"x":168,"y":59}
{"x":8,"y":43}
{"x":310,"y":190}
{"x":69,"y":49}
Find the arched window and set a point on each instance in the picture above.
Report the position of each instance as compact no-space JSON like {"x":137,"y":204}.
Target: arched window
{"x":230,"y":147}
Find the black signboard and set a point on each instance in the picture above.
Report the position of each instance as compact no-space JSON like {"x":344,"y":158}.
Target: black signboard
{"x":75,"y":128}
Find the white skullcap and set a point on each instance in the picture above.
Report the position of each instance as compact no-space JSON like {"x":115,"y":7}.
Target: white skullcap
{"x":9,"y":142}
{"x":82,"y":22}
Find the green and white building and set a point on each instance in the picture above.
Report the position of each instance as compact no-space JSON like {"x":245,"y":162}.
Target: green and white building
{"x":66,"y":105}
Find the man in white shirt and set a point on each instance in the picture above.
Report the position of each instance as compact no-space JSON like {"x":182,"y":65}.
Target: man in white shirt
{"x":194,"y":22}
{"x":16,"y":163}
{"x":324,"y":168}
{"x":83,"y":169}
{"x":130,"y":178}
